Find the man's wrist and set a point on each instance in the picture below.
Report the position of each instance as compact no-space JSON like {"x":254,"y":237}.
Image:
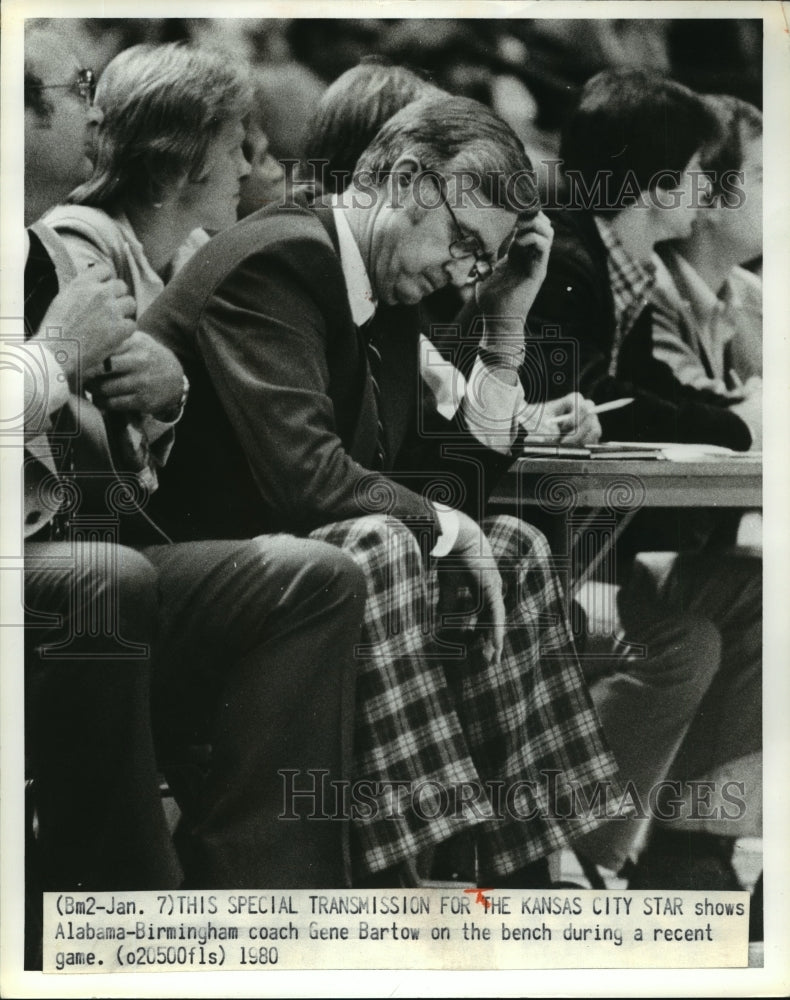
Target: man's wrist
{"x":172,"y":414}
{"x":502,"y":363}
{"x":450,"y":526}
{"x":502,"y":345}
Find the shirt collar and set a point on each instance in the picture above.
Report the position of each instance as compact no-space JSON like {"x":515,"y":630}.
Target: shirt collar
{"x":632,"y":281}
{"x":697,"y":294}
{"x":737,"y":287}
{"x":358,"y":288}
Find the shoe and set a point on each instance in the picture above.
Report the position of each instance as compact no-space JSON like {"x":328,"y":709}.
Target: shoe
{"x":455,"y":860}
{"x":677,"y":859}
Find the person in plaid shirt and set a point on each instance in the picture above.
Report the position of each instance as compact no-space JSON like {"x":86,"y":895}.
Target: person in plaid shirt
{"x":689,"y":708}
{"x":313,"y":409}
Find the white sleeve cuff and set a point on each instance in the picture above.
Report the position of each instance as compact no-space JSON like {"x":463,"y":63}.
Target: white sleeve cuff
{"x":444,"y":380}
{"x":491,"y":407}
{"x":450,"y":525}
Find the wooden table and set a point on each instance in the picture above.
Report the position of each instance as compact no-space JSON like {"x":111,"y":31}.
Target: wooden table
{"x":628,"y":484}
{"x":604,"y":494}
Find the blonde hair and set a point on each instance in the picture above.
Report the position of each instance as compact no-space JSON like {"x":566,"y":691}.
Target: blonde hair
{"x":162,"y":105}
{"x":351,"y":112}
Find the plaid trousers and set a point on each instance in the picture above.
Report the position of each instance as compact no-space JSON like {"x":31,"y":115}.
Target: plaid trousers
{"x":444,"y":741}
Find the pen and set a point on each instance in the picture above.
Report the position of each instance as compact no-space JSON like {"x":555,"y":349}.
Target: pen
{"x":614,"y":404}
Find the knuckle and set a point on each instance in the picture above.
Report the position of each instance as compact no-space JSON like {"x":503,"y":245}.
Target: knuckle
{"x":97,"y":273}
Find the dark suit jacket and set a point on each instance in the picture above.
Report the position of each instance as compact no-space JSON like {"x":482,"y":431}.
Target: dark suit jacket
{"x":576,"y":301}
{"x":279,"y":432}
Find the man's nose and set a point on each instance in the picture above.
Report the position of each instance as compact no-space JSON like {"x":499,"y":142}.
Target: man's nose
{"x":460,"y":270}
{"x":273,"y":168}
{"x":244,"y":166}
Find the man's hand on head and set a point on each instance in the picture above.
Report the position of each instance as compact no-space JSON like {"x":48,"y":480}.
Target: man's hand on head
{"x":88,"y":320}
{"x":515,"y":281}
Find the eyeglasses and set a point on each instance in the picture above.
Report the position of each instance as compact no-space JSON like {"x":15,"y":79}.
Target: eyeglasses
{"x":84,"y":85}
{"x":469,"y":246}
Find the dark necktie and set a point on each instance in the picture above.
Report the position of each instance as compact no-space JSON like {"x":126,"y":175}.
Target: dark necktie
{"x":374,"y":365}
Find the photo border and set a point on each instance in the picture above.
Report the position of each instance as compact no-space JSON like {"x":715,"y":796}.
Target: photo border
{"x":771,"y":980}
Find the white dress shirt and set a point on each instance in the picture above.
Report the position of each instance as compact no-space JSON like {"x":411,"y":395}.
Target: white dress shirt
{"x":491,"y":408}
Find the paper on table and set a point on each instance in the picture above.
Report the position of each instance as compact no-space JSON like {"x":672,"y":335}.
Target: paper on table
{"x":547,"y":450}
{"x":697,"y":449}
{"x":696,"y":452}
{"x":670,"y":450}
{"x":625,"y":454}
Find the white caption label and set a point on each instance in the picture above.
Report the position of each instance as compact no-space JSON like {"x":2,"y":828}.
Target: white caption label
{"x":393,"y":929}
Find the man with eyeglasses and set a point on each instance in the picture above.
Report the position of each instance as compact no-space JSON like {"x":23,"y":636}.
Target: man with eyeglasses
{"x":319,"y":407}
{"x":57,"y":91}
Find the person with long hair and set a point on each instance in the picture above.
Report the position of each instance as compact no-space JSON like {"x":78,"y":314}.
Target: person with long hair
{"x":250,"y":641}
{"x":167,"y":128}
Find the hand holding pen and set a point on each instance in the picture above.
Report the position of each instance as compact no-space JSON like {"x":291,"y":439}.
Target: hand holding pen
{"x":572,"y":420}
{"x":568,"y":421}
{"x":565,"y":421}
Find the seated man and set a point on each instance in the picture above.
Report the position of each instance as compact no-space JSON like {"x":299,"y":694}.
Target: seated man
{"x":88,"y":695}
{"x":298,"y":331}
{"x":707,"y":320}
{"x":691,"y":708}
{"x":100,"y":818}
{"x":250,"y":641}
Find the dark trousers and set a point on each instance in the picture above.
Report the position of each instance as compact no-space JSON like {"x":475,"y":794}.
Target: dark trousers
{"x":90,"y":746}
{"x":251,"y":647}
{"x":257,"y":649}
{"x":689,"y":707}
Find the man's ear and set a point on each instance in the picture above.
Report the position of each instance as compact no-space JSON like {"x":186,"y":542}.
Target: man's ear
{"x":404,"y":172}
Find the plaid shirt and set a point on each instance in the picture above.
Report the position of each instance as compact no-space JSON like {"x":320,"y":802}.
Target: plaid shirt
{"x":631,"y":282}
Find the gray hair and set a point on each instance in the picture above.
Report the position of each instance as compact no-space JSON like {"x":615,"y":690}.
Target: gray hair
{"x":482,"y":147}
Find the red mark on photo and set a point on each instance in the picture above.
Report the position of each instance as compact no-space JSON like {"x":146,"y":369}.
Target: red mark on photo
{"x":479,"y":897}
